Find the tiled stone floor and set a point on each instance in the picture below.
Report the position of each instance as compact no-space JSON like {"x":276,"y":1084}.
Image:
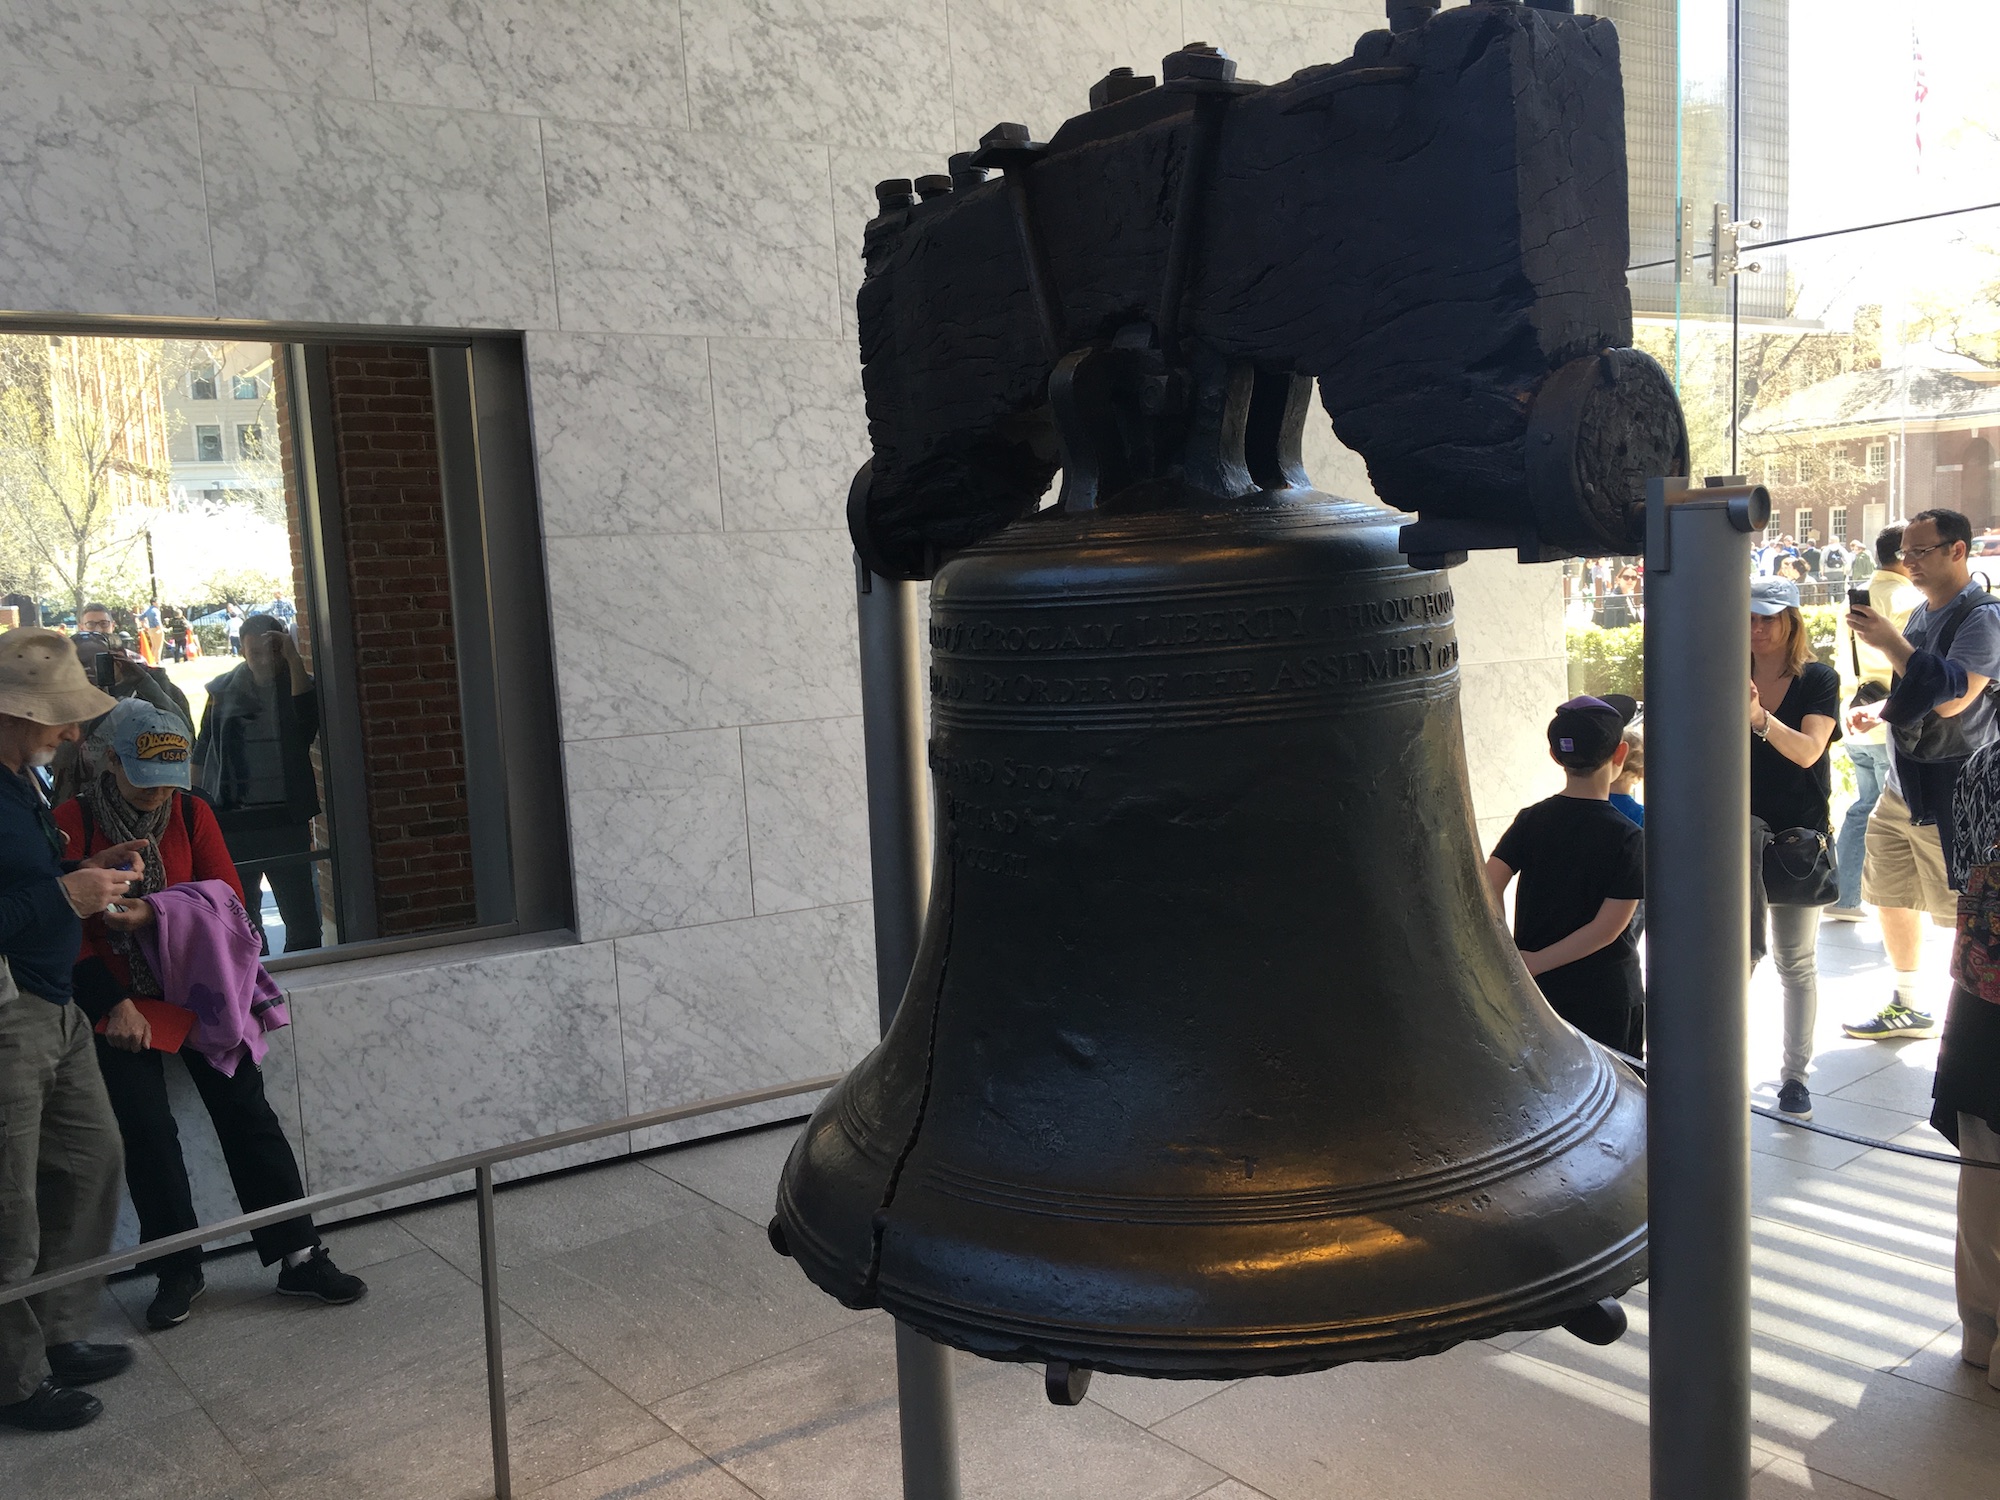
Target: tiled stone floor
{"x":657,"y":1349}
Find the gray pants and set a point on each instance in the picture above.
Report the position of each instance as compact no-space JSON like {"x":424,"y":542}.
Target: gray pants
{"x":60,"y":1160}
{"x":1795,"y":951}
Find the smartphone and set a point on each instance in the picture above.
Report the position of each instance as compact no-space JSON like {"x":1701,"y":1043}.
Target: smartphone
{"x":104,"y":671}
{"x":1858,"y":596}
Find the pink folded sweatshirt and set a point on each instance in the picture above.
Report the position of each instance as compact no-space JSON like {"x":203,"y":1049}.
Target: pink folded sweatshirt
{"x":206,"y":952}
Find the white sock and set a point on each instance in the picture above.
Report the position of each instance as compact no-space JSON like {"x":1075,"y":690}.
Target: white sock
{"x":1906,"y":989}
{"x":298,"y":1257}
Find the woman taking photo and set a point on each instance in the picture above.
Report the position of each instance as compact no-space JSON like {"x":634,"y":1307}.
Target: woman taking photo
{"x":1794,"y":716}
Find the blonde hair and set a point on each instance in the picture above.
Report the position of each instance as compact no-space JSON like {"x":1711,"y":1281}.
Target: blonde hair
{"x":1634,"y":737}
{"x":1798,"y":642}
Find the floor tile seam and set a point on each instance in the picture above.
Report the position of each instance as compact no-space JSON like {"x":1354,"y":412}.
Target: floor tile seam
{"x":596,"y":1461}
{"x":1939,"y":1390}
{"x":1756,"y":1217}
{"x":1791,"y":1343}
{"x":1771,"y":1447}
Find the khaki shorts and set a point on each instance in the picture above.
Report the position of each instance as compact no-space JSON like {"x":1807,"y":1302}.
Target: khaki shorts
{"x":1904,"y":863}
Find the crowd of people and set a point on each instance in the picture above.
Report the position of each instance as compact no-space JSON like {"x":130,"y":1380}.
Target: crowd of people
{"x":128,"y":841}
{"x":1610,"y":592}
{"x":1912,"y":703}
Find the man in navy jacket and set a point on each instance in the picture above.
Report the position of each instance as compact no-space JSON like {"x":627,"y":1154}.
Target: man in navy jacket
{"x":59,"y":1150}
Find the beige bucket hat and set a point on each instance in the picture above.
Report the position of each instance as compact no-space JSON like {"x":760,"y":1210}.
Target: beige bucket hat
{"x":42,"y":680}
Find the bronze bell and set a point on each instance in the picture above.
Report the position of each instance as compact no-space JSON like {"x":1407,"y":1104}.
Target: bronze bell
{"x":1215,"y":1060}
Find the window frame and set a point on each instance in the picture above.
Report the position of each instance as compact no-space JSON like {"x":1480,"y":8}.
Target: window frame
{"x":201,"y":428}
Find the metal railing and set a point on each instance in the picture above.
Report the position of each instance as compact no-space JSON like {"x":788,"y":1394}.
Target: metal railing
{"x":480,"y":1164}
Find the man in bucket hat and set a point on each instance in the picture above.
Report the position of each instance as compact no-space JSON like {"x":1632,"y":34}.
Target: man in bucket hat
{"x":59,"y":1147}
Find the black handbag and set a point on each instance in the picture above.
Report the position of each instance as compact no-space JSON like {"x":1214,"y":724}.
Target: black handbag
{"x":1799,"y":869}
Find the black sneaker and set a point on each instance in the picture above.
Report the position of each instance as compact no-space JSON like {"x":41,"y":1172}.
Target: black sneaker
{"x":1794,"y":1100}
{"x":52,"y":1408}
{"x":317,"y":1276}
{"x":86,"y":1364}
{"x":1894,"y":1020}
{"x":171,"y":1303}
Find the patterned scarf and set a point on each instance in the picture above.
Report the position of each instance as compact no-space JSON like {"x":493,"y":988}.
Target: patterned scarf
{"x":120,"y":822}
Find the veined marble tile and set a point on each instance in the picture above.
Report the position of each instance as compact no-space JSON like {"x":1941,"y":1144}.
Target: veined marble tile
{"x":610,"y":60}
{"x":1507,"y":706}
{"x":1507,"y":611}
{"x":855,"y":173}
{"x":852,"y":72}
{"x":344,"y":211}
{"x":1333,"y":467}
{"x":101,"y":207}
{"x":624,"y":434}
{"x":668,"y":232}
{"x":299,"y":46}
{"x":738,"y":1005}
{"x":657,"y":831}
{"x":1270,"y":42}
{"x":400,"y":1070}
{"x":808,"y":800}
{"x":791,"y":428}
{"x":750,"y":628}
{"x":1034,"y":61}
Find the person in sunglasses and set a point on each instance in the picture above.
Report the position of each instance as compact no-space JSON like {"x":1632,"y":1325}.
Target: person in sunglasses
{"x":1940,"y":711}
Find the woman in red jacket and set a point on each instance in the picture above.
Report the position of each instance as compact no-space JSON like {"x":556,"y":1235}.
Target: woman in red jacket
{"x":139,"y":792}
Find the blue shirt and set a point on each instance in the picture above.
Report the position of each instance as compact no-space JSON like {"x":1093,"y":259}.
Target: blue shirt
{"x":1976,"y":647}
{"x":39,"y":933}
{"x":1631,"y":806}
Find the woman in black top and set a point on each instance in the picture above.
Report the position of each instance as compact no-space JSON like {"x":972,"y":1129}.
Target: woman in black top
{"x":1794,"y":716}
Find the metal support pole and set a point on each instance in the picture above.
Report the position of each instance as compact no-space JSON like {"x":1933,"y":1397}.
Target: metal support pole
{"x":496,"y":1366}
{"x":1698,"y":980}
{"x":899,"y":856}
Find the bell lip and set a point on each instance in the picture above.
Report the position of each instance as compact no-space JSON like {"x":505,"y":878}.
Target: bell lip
{"x":1228,"y":1354}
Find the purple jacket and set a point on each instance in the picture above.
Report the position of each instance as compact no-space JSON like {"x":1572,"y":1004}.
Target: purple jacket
{"x":205,"y":950}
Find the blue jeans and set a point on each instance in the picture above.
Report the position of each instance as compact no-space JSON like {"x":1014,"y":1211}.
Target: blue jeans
{"x":1871,"y":766}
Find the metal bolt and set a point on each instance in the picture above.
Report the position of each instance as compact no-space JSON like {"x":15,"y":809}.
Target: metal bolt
{"x":1199,"y":60}
{"x":933,"y":185}
{"x":963,"y":173}
{"x":893,"y":193}
{"x":1006,"y":133}
{"x":1408,"y":15}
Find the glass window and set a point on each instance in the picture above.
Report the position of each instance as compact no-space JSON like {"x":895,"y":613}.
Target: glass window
{"x":346,"y":721}
{"x":1878,"y":460}
{"x":1802,"y":525}
{"x":1836,"y":523}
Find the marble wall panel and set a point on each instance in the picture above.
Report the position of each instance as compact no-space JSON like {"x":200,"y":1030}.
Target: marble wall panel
{"x":299,"y":46}
{"x":624,"y":434}
{"x":1506,"y":706}
{"x":101,"y":206}
{"x":738,"y":1005}
{"x":669,"y":232}
{"x":1508,"y":612}
{"x":1332,"y":466}
{"x":755,"y":628}
{"x":791,"y":430}
{"x":1033,"y":61}
{"x":617,"y":61}
{"x":855,"y":173}
{"x":339,"y":211}
{"x":411,"y":1066}
{"x":850,"y":72}
{"x":657,"y":831}
{"x":807,"y":792}
{"x":1270,"y":42}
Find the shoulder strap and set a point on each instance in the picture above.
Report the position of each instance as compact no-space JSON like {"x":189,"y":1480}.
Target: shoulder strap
{"x":1961,"y":611}
{"x":187,"y":816}
{"x":89,"y":826}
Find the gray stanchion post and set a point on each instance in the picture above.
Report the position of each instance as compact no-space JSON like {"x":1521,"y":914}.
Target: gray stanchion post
{"x":1698,"y":981}
{"x":899,"y":857}
{"x":489,"y":1303}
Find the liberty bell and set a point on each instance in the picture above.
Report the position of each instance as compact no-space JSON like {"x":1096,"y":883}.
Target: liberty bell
{"x":1215,"y":1059}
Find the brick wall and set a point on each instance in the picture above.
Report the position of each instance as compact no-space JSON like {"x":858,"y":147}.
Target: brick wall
{"x":406,"y":665}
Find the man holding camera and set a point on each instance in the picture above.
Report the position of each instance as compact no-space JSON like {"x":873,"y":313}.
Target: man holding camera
{"x":1939,"y":714}
{"x":59,"y":1149}
{"x":115,"y":670}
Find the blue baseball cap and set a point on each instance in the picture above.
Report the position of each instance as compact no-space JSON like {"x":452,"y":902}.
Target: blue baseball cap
{"x":1773,"y":596}
{"x":152,"y":744}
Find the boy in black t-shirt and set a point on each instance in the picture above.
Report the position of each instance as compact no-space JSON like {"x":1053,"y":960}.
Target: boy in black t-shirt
{"x":1582,"y":869}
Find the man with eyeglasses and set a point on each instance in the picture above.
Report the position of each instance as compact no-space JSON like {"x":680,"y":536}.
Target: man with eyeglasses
{"x":1939,"y":713}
